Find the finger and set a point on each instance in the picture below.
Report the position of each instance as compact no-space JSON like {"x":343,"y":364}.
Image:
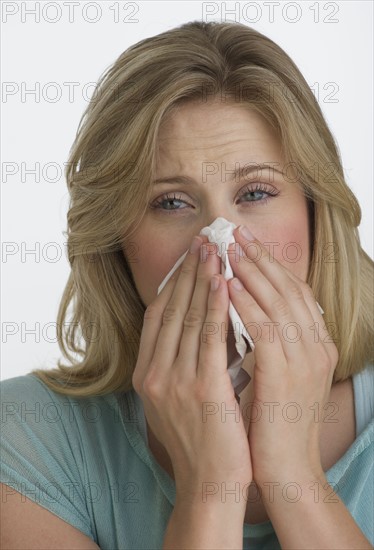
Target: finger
{"x":317,"y":334}
{"x":322,"y":332}
{"x":269,"y":351}
{"x":274,"y":315}
{"x":212,"y":359}
{"x":194,"y":321}
{"x":170,"y":332}
{"x":277,"y":294}
{"x":152,"y":322}
{"x":296,"y":292}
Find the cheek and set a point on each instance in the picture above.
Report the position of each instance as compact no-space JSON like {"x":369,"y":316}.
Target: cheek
{"x":151,"y":264}
{"x":289,"y":244}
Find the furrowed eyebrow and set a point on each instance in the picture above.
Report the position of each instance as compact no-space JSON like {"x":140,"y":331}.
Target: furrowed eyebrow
{"x":242,"y":172}
{"x":174,"y":179}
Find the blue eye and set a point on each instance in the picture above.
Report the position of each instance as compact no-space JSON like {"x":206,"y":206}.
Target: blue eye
{"x":256,"y":194}
{"x":165,"y":202}
{"x":172,"y":202}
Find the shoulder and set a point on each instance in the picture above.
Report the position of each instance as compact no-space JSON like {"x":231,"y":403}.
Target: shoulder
{"x":21,"y":386}
{"x":352,"y":478}
{"x":41,"y":450}
{"x":58,"y":449}
{"x":352,"y":473}
{"x":59,"y":429}
{"x":25,"y":398}
{"x":28,"y":397}
{"x":363,"y":386}
{"x":348,"y":412}
{"x":66,"y":430}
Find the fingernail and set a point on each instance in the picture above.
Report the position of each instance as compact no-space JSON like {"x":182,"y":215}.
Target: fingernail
{"x":244,"y":231}
{"x":195,"y":245}
{"x":214,"y":283}
{"x":203,"y":253}
{"x":239,"y":253}
{"x":237,"y":284}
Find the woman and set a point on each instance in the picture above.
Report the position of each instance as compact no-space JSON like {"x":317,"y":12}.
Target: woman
{"x":142,"y":442}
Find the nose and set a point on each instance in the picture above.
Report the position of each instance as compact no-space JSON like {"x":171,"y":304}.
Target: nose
{"x":220,"y":211}
{"x":216,"y":202}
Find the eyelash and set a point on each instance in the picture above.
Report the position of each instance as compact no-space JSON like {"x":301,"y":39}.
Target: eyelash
{"x":271,"y":192}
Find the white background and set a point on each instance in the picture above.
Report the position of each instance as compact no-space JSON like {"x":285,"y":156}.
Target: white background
{"x":77,"y":48}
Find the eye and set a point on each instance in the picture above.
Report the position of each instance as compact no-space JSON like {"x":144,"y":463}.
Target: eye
{"x":256,"y":194}
{"x":171,"y":202}
{"x":168,"y":202}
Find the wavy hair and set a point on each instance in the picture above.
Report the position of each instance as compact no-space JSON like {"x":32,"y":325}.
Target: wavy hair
{"x":109,"y":176}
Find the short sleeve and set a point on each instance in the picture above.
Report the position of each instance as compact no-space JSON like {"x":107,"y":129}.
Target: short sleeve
{"x":363,"y":384}
{"x":40,"y":454}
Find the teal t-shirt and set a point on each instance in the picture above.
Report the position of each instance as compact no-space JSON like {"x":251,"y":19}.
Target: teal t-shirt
{"x":86,"y":460}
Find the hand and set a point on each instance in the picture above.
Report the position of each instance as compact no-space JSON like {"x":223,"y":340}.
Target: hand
{"x":292,"y":379}
{"x":182,"y":378}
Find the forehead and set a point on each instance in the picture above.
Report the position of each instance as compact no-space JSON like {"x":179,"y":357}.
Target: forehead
{"x":206,"y":130}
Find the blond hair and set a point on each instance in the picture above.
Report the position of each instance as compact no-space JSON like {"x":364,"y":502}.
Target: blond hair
{"x":109,"y":179}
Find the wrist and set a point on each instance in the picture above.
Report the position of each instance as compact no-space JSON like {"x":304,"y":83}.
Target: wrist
{"x":215,"y":490}
{"x":214,"y":513}
{"x":213,"y":495}
{"x":299,"y":488}
{"x":204,"y":525}
{"x":302,"y":476}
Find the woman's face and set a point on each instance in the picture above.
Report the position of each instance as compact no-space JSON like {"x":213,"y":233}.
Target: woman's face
{"x":200,"y":146}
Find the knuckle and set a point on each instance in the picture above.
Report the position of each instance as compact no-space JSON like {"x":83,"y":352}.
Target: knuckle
{"x":170,"y":314}
{"x":187,"y":269}
{"x":295,"y":292}
{"x":202,"y":278}
{"x":152,"y":386}
{"x":151,"y":312}
{"x":280,"y":307}
{"x":193,"y":318}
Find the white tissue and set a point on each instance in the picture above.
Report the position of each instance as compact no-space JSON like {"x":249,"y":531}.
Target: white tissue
{"x":239,"y":341}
